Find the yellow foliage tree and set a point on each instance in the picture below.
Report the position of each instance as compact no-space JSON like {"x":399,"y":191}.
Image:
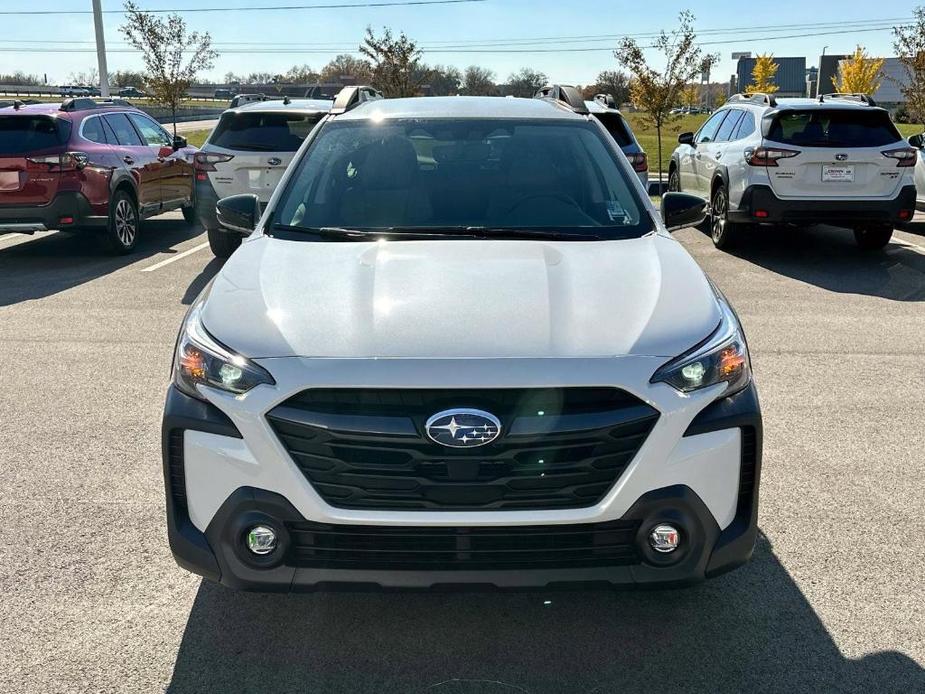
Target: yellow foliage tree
{"x":859,"y":74}
{"x":763,"y":75}
{"x":690,"y":96}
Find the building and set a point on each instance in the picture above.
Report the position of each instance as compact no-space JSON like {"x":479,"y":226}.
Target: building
{"x":790,"y":78}
{"x":828,"y":71}
{"x":893,"y":77}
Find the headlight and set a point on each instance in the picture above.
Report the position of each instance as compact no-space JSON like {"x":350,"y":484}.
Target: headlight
{"x":199,"y":358}
{"x":722,"y":357}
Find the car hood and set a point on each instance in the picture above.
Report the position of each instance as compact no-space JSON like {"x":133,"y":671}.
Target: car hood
{"x":460,"y":299}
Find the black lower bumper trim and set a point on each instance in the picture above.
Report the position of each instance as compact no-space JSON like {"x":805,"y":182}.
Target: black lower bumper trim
{"x":70,"y":204}
{"x":838,"y":212}
{"x":181,"y":413}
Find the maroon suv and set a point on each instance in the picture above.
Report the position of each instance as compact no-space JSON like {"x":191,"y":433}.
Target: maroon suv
{"x":88,"y":164}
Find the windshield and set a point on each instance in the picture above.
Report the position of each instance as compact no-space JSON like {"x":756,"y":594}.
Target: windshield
{"x":449,"y":174}
{"x":834,"y":128}
{"x":22,"y":134}
{"x":263,"y":132}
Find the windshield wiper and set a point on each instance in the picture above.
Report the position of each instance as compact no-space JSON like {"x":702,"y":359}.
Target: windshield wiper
{"x":546,"y":234}
{"x":335,"y":233}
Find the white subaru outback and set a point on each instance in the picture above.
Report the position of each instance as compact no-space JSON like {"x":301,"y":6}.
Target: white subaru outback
{"x":460,"y":347}
{"x":838,"y":159}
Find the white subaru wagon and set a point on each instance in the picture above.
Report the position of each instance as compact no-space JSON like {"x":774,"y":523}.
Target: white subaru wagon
{"x":460,"y":347}
{"x":837,"y":159}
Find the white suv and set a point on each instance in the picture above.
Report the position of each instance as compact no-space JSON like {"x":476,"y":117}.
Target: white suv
{"x":836,"y":160}
{"x":460,"y":347}
{"x":247,"y":152}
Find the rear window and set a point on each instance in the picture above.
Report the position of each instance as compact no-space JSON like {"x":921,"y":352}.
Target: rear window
{"x":263,"y":132}
{"x":616,"y":126}
{"x":834,"y":128}
{"x":21,"y":134}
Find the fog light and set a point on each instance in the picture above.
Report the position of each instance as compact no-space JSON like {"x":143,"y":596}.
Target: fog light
{"x":664,"y":538}
{"x":261,"y":539}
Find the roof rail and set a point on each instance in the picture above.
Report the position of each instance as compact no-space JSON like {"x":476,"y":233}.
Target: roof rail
{"x":564,"y":94}
{"x":349,"y":98}
{"x":755,"y":98}
{"x":606,"y":100}
{"x":83,"y":103}
{"x":855,"y":96}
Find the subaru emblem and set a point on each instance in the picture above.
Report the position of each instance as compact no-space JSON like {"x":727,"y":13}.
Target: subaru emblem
{"x":841,"y":157}
{"x":274,"y":161}
{"x":463,"y":428}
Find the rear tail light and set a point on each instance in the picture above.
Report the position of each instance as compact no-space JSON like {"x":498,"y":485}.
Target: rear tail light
{"x":905,"y":215}
{"x":768,"y":156}
{"x":639,"y":161}
{"x":69,"y":161}
{"x":904,"y":156}
{"x":206,"y":161}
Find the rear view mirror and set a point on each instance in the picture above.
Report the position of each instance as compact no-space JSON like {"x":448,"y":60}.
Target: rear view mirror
{"x":238,"y":213}
{"x":917,"y":140}
{"x":686,"y":139}
{"x":681,"y":210}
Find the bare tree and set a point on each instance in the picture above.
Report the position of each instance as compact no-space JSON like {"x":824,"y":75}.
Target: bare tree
{"x":656,"y":92}
{"x":172,"y":56}
{"x":300,"y":74}
{"x":525,"y":82}
{"x":346,"y":66}
{"x":479,"y":81}
{"x":909,"y":44}
{"x":395,"y":61}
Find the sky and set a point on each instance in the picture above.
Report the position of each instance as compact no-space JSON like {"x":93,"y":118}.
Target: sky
{"x":569,"y":41}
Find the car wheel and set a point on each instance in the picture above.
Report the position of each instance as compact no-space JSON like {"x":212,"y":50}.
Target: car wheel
{"x":674,"y":182}
{"x":723,"y":232}
{"x":189,"y":211}
{"x":873,"y":238}
{"x":124,"y":222}
{"x":222,"y":243}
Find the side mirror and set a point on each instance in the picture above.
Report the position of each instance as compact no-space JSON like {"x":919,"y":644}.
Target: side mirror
{"x":686,"y":139}
{"x":179,"y":142}
{"x":238,"y":213}
{"x":917,"y":141}
{"x":681,"y":210}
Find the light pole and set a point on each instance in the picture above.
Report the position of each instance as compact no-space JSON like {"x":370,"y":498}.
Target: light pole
{"x":100,"y":48}
{"x":819,"y":74}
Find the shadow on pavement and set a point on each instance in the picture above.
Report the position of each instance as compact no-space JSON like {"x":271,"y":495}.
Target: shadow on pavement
{"x":201,"y":280}
{"x":829,"y":258}
{"x":751,"y":630}
{"x":57,"y":262}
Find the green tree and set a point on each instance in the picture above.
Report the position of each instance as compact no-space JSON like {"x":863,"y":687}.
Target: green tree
{"x":613,"y":82}
{"x":128,"y":78}
{"x":395,"y":61}
{"x":300,"y":74}
{"x":658,"y":91}
{"x":172,"y":55}
{"x":443,"y":80}
{"x":763,"y":75}
{"x":346,"y":66}
{"x":525,"y":82}
{"x":909,"y":44}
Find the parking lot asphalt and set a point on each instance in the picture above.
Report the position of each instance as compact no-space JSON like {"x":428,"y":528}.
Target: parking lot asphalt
{"x":92,"y":601}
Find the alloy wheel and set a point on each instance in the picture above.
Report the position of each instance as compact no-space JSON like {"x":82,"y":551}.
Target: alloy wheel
{"x":718,"y":214}
{"x":126,"y":222}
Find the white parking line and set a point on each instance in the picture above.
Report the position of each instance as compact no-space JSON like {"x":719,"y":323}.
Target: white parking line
{"x":176,"y":257}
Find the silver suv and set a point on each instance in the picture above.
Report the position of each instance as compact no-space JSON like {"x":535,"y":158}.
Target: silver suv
{"x":838,"y":159}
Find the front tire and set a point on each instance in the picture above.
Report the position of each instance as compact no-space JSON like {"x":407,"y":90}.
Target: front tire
{"x":124,"y":222}
{"x":873,"y":238}
{"x":222,"y":243}
{"x":723,"y":232}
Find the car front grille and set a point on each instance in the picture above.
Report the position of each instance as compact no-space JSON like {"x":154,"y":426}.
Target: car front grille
{"x":319,"y":545}
{"x":366,"y":449}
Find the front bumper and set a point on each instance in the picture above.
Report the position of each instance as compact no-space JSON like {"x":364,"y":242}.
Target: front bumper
{"x":761,"y":200}
{"x":210,"y":543}
{"x":29,"y":219}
